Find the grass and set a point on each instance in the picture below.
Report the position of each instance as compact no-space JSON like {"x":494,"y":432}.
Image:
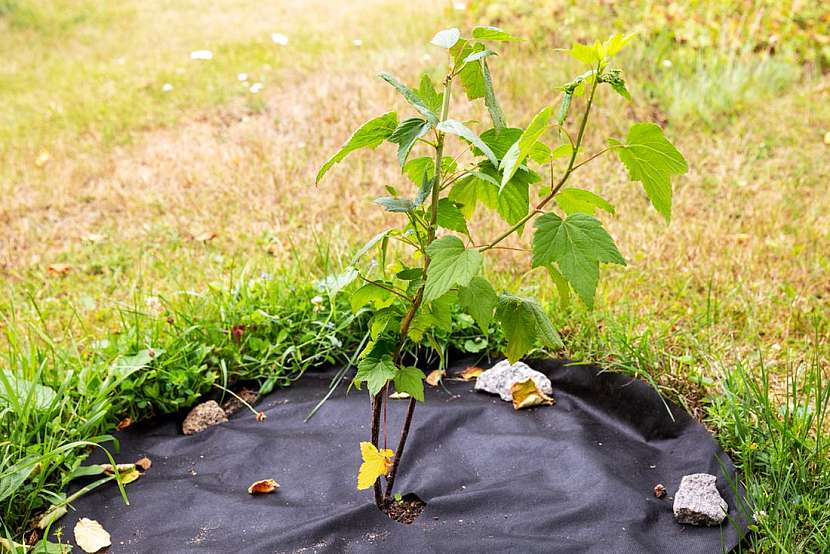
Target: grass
{"x":172,"y":204}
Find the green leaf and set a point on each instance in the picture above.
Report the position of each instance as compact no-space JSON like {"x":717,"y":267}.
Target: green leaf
{"x":412,"y":97}
{"x":492,"y":33}
{"x":450,"y":217}
{"x":382,"y":320}
{"x":435,"y":314}
{"x":446,"y":38}
{"x":471,"y":75}
{"x":336,"y":282}
{"x":514,"y":200}
{"x":522,"y":147}
{"x":432,"y":98}
{"x":407,"y":134}
{"x":589,"y":55}
{"x":416,"y":168}
{"x":479,"y":299}
{"x":471,"y":190}
{"x":490,"y":100}
{"x":451,"y":264}
{"x":395,"y":204}
{"x":424,"y":190}
{"x":614,"y":78}
{"x":20,"y":394}
{"x":369,"y":245}
{"x":577,"y":244}
{"x":524,"y":322}
{"x":371,"y":293}
{"x":564,"y":108}
{"x":562,"y":285}
{"x":573,"y":201}
{"x":375,"y":372}
{"x":455,"y":127}
{"x":369,"y":135}
{"x":615,"y":43}
{"x":651,"y":159}
{"x":411,"y":381}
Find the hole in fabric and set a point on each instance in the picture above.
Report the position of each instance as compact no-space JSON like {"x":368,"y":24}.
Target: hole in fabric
{"x":405,"y":510}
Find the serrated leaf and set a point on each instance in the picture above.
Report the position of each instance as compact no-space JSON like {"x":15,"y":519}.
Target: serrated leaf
{"x":407,"y":134}
{"x":492,"y":33}
{"x":471,"y":75}
{"x":651,"y":159}
{"x":451,"y":264}
{"x":450,"y":217}
{"x":616,"y":43}
{"x":455,"y":127}
{"x":412,"y":97}
{"x":424,"y":190}
{"x":371,"y":293}
{"x":430,"y":96}
{"x":411,"y":381}
{"x":587,"y":54}
{"x":525,"y":143}
{"x":573,"y":200}
{"x":375,"y":372}
{"x":432,"y":315}
{"x":514,"y":200}
{"x":369,"y":135}
{"x":479,"y":299}
{"x":524,"y":321}
{"x":395,"y":204}
{"x":577,"y":244}
{"x":490,"y":100}
{"x":446,"y":38}
{"x":376,"y":463}
{"x":471,"y":190}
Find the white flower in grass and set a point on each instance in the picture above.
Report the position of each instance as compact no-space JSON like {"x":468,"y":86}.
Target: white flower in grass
{"x":459,"y":6}
{"x":242,"y":77}
{"x":166,"y":87}
{"x":201,"y":55}
{"x":357,"y":42}
{"x":256,"y":87}
{"x":280,"y":39}
{"x":667,"y":64}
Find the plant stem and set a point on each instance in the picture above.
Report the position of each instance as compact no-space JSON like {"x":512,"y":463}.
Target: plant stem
{"x":419,"y":297}
{"x":555,"y":189}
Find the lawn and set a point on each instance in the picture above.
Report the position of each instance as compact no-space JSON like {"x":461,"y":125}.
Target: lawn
{"x":152,"y":201}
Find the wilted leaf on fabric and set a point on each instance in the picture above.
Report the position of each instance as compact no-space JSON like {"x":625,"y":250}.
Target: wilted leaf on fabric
{"x":375,"y":464}
{"x":144,"y":463}
{"x":526,"y":395}
{"x":90,"y":536}
{"x":265,"y":486}
{"x":124,"y":423}
{"x":435,"y":377}
{"x":470,"y":373}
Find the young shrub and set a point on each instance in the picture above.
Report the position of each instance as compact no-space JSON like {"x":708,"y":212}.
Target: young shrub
{"x":413,"y":295}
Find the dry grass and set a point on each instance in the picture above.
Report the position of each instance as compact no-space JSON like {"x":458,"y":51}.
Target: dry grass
{"x":743,"y":264}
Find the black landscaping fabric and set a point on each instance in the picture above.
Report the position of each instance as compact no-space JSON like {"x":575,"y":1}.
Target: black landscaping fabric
{"x":575,"y":477}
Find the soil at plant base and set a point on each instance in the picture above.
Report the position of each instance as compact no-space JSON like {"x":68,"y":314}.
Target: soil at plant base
{"x":405,"y":510}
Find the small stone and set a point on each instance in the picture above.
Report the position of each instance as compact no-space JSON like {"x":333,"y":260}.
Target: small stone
{"x":698,"y":501}
{"x":203,"y":416}
{"x":500,"y":378}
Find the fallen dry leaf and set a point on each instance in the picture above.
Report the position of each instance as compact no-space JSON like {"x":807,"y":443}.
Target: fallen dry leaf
{"x":124,"y":423}
{"x":205,"y":237}
{"x":144,"y":463}
{"x":90,"y":536}
{"x":470,"y":373}
{"x":59,"y":269}
{"x":526,"y":395}
{"x":659,"y":490}
{"x":266,"y":486}
{"x":260,"y":416}
{"x":399,"y":396}
{"x":127,"y":472}
{"x":435,"y":377}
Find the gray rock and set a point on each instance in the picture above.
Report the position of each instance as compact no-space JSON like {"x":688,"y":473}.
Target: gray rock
{"x":499,"y":378}
{"x":698,"y":501}
{"x":202,"y":416}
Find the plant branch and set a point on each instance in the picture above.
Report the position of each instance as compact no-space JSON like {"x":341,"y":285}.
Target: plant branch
{"x":555,"y":189}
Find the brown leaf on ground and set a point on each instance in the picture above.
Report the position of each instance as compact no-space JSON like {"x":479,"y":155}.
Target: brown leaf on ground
{"x":144,"y":463}
{"x":90,"y":536}
{"x":127,"y":472}
{"x":526,"y":395}
{"x":260,"y":416}
{"x":470,"y":373}
{"x":659,"y":490}
{"x":124,"y":423}
{"x":266,"y":486}
{"x":207,"y":236}
{"x":59,"y":269}
{"x":435,"y":377}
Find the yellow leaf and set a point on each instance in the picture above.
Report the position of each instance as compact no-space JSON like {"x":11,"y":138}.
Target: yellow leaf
{"x":90,"y":536}
{"x":375,"y":463}
{"x":526,"y":394}
{"x":266,"y":486}
{"x":435,"y":377}
{"x":470,"y":373}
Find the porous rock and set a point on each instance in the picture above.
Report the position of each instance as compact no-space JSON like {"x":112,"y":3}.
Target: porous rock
{"x":698,"y":502}
{"x":499,"y":378}
{"x":202,"y":416}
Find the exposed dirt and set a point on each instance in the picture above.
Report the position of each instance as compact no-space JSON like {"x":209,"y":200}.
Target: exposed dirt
{"x":233,"y":405}
{"x":405,"y":510}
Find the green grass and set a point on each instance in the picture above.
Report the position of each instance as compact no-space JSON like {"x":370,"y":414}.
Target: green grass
{"x":725,"y":311}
